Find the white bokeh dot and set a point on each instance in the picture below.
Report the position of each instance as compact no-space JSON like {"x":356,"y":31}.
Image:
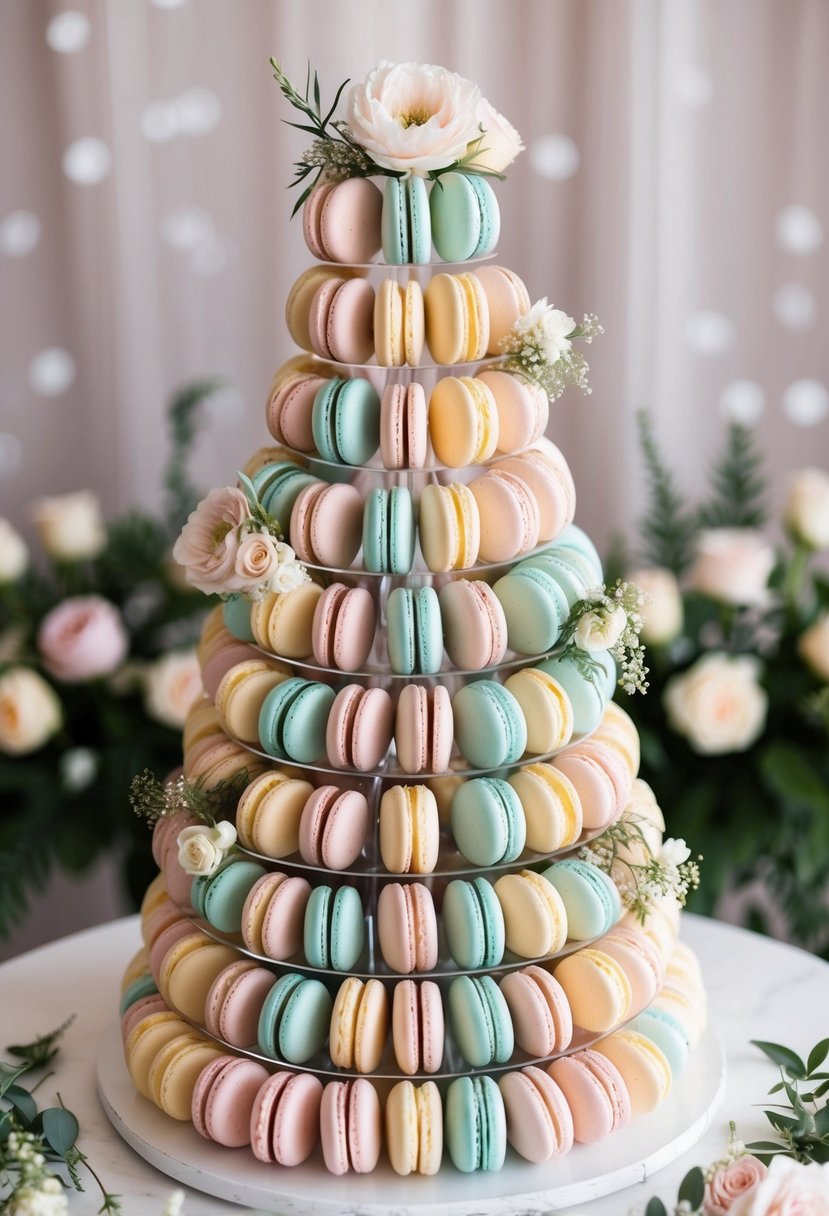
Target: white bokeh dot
{"x":167,"y":3}
{"x":211,"y":256}
{"x":799,"y":230}
{"x":693,"y":86}
{"x":51,"y":372}
{"x":709,"y":332}
{"x":806,"y":402}
{"x":555,"y":157}
{"x":68,"y":32}
{"x":794,"y":306}
{"x":11,"y":453}
{"x":87,"y":161}
{"x":197,"y":111}
{"x":743,"y":401}
{"x":159,"y":122}
{"x":187,"y":228}
{"x":19,"y":233}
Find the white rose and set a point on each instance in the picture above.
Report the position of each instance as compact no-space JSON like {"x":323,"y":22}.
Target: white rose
{"x":601,"y":628}
{"x":732,"y":565}
{"x":674,"y":852}
{"x":256,"y":557}
{"x":286,"y":577}
{"x":788,"y":1189}
{"x":662,"y":612}
{"x":171,"y":685}
{"x":501,"y":143}
{"x":30,"y":711}
{"x":71,"y":527}
{"x":201,"y":850}
{"x":806,"y":512}
{"x":718,"y":704}
{"x":14,"y":554}
{"x":813,"y":647}
{"x":414,"y":116}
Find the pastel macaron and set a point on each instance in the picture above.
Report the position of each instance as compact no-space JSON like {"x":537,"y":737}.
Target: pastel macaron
{"x":269,"y":811}
{"x":284,"y":1119}
{"x":223,"y":1099}
{"x":475,"y":1125}
{"x":407,"y":930}
{"x":219,"y":897}
{"x":642,"y":1065}
{"x":293,"y":719}
{"x":480,"y":1021}
{"x":333,"y":827}
{"x":145,"y":1040}
{"x":388,"y":530}
{"x":545,"y":707}
{"x":234,"y":1002}
{"x":535,"y":609}
{"x":343,"y":627}
{"x":540,"y":1012}
{"x":507,"y":300}
{"x":597,"y":989}
{"x":551,"y":806}
{"x":239,"y":697}
{"x":463,"y":421}
{"x":341,"y":220}
{"x":409,"y":829}
{"x":399,"y":323}
{"x":424,"y":729}
{"x":188,"y":970}
{"x":595,"y":1092}
{"x":414,"y":631}
{"x":175,"y":1070}
{"x":601,"y":778}
{"x":341,"y":320}
{"x":590,"y":897}
{"x":406,"y":227}
{"x":535,"y":918}
{"x":350,"y":1126}
{"x":414,"y":1128}
{"x":548,"y":476}
{"x":301,"y":295}
{"x":359,"y":727}
{"x":326,"y":524}
{"x":449,"y":527}
{"x":523,"y":408}
{"x":404,"y":432}
{"x":345,"y":420}
{"x":508,"y":512}
{"x":281,"y":622}
{"x":490,"y":727}
{"x":295,"y":1018}
{"x":487,"y":821}
{"x":474,"y":626}
{"x":289,"y":407}
{"x":457,"y":319}
{"x":359,"y":1025}
{"x":466,"y":220}
{"x":417,"y":1026}
{"x":273,"y":916}
{"x":639,"y":958}
{"x":667,"y":1033}
{"x":334,"y":929}
{"x":539,"y":1120}
{"x":586,"y":694}
{"x":473,"y":923}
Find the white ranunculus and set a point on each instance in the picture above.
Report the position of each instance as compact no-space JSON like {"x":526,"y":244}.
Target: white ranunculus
{"x":718,"y":704}
{"x":732,"y":565}
{"x":674,"y":851}
{"x":662,"y":612}
{"x":201,"y":849}
{"x":501,"y":143}
{"x":14,"y":554}
{"x":788,"y":1189}
{"x":71,"y":527}
{"x":171,"y":685}
{"x":30,"y":711}
{"x":806,"y":512}
{"x":813,"y":647}
{"x":601,"y":628}
{"x":414,"y":116}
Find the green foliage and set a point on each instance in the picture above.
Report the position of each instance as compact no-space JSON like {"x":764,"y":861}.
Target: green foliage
{"x":803,"y":1123}
{"x":738,"y":484}
{"x":667,"y":528}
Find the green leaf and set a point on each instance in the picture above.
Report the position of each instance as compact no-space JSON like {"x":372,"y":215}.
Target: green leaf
{"x":8,"y":1076}
{"x":6,"y":1125}
{"x":60,"y":1128}
{"x":817,"y":1055}
{"x":23,"y":1102}
{"x":692,"y":1187}
{"x":765,"y":1146}
{"x":780,"y":1122}
{"x":656,"y":1208}
{"x":788,"y":773}
{"x":822,"y":1121}
{"x":784,"y":1056}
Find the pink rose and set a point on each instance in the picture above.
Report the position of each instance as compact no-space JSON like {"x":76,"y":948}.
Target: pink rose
{"x":788,"y":1189}
{"x":732,"y":565}
{"x":256,"y":558}
{"x":209,"y":542}
{"x":82,"y":638}
{"x":729,"y":1182}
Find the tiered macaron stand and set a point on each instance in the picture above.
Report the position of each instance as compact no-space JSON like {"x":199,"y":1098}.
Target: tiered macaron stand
{"x":586,"y":1172}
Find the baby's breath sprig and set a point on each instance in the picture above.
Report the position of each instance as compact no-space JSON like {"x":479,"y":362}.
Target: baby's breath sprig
{"x":608,"y":619}
{"x":539,"y":348}
{"x":152,"y":799}
{"x":643,"y":878}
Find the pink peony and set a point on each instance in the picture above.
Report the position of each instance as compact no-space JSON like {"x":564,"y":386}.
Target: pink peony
{"x":501,"y":143}
{"x":788,"y":1189}
{"x":729,"y":1182}
{"x":732,"y":565}
{"x":82,"y":638}
{"x":209,"y":542}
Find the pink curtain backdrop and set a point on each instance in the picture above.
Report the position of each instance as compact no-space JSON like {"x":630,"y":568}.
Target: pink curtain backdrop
{"x":676,"y":182}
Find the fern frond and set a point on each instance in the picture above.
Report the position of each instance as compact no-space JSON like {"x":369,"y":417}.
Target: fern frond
{"x":667,"y":528}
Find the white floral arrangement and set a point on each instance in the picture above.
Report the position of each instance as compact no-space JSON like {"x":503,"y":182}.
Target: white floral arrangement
{"x":609,"y":619}
{"x":539,"y":348}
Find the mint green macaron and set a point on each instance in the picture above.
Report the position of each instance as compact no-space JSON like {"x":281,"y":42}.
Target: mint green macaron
{"x":293,"y":718}
{"x":389,"y":530}
{"x":414,"y":631}
{"x":236,"y":616}
{"x":535,"y":607}
{"x":294,"y":1020}
{"x":590,"y":898}
{"x":473,"y":923}
{"x":490,"y":728}
{"x":345,"y":421}
{"x":221,"y":895}
{"x":334,"y":929}
{"x":487,"y":821}
{"x":475,"y":1124}
{"x":465,"y":216}
{"x":406,"y":228}
{"x":586,"y":692}
{"x":480,"y":1020}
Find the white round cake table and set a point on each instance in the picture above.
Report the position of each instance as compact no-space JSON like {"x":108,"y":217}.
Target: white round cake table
{"x":757,"y":988}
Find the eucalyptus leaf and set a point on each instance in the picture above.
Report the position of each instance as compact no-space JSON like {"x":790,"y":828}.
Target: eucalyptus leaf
{"x":821,"y":1121}
{"x":817,"y":1055}
{"x":9,"y":1074}
{"x":60,"y":1128}
{"x":656,"y":1208}
{"x":23,"y":1103}
{"x":692,"y":1187}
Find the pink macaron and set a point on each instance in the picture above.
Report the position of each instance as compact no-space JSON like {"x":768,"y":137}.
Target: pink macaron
{"x":289,"y":407}
{"x":509,"y":515}
{"x":327,"y":524}
{"x":333,"y":827}
{"x":417,"y":1023}
{"x":273,"y":915}
{"x":341,"y":320}
{"x":407,"y":929}
{"x":424,"y":729}
{"x":285,"y":1118}
{"x":596,"y":1094}
{"x":639,"y":958}
{"x":540,"y":1011}
{"x":474,"y":624}
{"x":350,"y":1126}
{"x":551,"y":484}
{"x":523,"y":409}
{"x":539,"y":1120}
{"x":223,"y":1099}
{"x":404,"y":432}
{"x":343,"y":629}
{"x":141,"y":1009}
{"x":341,"y":220}
{"x":234,"y":1003}
{"x":600,"y":778}
{"x":359,"y":728}
{"x":166,"y":939}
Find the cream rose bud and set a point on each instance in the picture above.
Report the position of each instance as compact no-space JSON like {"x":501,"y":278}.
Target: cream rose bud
{"x":171,"y":685}
{"x":806,"y":513}
{"x":813,"y":647}
{"x":601,"y":628}
{"x":662,"y":611}
{"x":30,"y":711}
{"x":256,"y":557}
{"x":788,"y":1189}
{"x":14,"y":554}
{"x":718,"y":704}
{"x":71,"y":527}
{"x":732,"y":565}
{"x":201,"y":849}
{"x":501,"y":143}
{"x":729,"y":1181}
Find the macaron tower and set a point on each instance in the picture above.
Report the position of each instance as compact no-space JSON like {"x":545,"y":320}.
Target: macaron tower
{"x":407,"y":955}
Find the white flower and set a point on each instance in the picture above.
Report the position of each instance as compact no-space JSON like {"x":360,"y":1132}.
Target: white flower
{"x":548,"y":328}
{"x":14,"y":554}
{"x":718,"y":704}
{"x":674,"y":852}
{"x":201,"y":849}
{"x":732,"y":565}
{"x":284,"y":552}
{"x":813,"y":647}
{"x":661,"y":610}
{"x":174,"y":1204}
{"x":806,"y":512}
{"x":788,"y":1189}
{"x":34,"y":1199}
{"x":171,"y":685}
{"x":78,"y":768}
{"x":501,"y":142}
{"x":287,"y":576}
{"x":30,"y":711}
{"x":600,"y":628}
{"x":71,"y":527}
{"x":414,"y":116}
